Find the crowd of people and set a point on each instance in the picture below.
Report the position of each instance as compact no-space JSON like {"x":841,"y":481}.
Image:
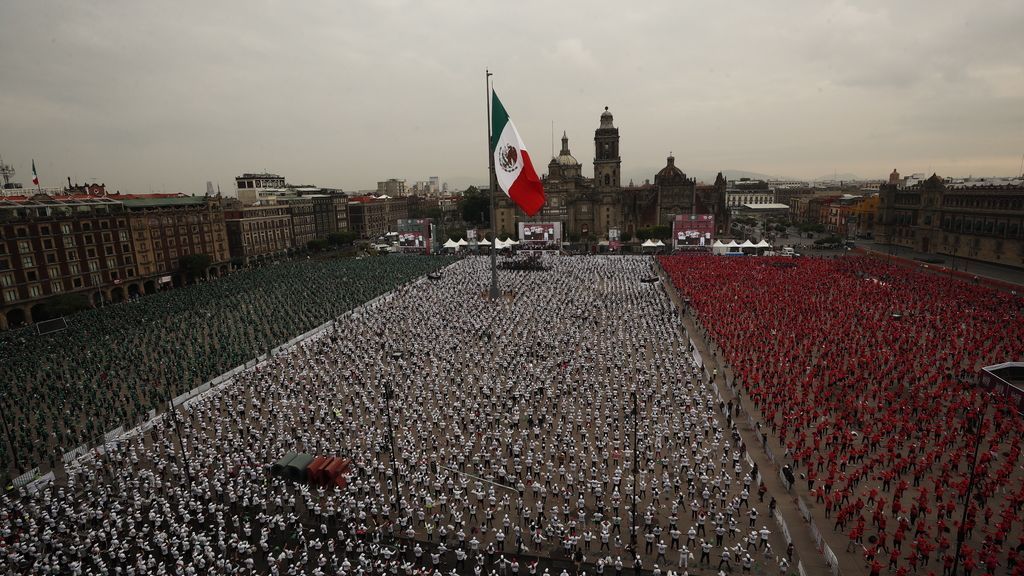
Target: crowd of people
{"x":866,"y":375}
{"x":114,"y":364}
{"x":513,"y":425}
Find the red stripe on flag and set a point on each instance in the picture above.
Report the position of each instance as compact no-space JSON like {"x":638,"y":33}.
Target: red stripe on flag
{"x":527,"y":191}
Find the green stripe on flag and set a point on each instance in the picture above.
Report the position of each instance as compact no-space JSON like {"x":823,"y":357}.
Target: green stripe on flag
{"x":499,"y":117}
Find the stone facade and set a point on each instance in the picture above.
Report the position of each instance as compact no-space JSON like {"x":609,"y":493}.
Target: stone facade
{"x":975,"y":221}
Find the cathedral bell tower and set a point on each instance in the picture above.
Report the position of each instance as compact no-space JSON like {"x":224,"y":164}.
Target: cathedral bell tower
{"x":607,"y":164}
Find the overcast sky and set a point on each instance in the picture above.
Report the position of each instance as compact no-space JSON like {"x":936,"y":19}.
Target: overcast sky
{"x":164,"y":96}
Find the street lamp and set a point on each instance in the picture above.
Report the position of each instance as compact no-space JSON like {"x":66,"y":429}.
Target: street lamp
{"x":388,"y":392}
{"x":636,"y":470}
{"x":177,"y":431}
{"x":960,"y":533}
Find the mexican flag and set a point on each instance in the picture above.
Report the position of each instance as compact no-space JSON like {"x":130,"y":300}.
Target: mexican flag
{"x":512,"y":164}
{"x":35,"y":177}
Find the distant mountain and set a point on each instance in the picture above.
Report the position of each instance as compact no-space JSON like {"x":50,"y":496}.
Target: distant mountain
{"x":737,"y":174}
{"x":844,"y":176}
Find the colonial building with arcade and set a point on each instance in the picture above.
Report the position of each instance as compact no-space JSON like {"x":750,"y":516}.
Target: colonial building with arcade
{"x":588,"y":208}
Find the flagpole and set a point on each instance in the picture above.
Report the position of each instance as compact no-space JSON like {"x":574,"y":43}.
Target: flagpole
{"x":494,"y":294}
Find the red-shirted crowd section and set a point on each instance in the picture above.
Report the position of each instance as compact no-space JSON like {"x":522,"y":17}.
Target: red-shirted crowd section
{"x":865,"y":373}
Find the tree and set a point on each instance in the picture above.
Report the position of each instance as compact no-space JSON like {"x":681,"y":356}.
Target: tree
{"x":195,"y":265}
{"x":455,"y":232}
{"x":65,"y":305}
{"x":316,"y":245}
{"x":475,"y":207}
{"x":342,"y":238}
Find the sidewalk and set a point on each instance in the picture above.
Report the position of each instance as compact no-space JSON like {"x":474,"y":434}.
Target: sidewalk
{"x":955,"y":265}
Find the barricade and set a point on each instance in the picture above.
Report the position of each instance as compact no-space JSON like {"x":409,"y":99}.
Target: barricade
{"x":26,"y":477}
{"x":782,"y":524}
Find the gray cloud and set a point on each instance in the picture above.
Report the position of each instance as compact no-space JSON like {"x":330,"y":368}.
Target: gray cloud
{"x":169,"y":95}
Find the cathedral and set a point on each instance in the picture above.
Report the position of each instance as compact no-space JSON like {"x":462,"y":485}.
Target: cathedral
{"x":589,"y":207}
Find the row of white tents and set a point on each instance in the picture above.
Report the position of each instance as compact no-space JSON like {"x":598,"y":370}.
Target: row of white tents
{"x":462,"y":243}
{"x":733,"y":247}
{"x":719,"y":247}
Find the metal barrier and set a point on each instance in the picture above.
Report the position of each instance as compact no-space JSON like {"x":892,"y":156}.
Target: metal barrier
{"x":782,"y":524}
{"x":26,"y":477}
{"x":831,"y":560}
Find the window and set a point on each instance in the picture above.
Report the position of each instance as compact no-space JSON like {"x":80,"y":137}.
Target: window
{"x":44,"y":230}
{"x":51,"y":257}
{"x":106,"y":236}
{"x":122,"y":236}
{"x":35,"y":291}
{"x":65,"y":229}
{"x":47,"y":243}
{"x":28,"y":261}
{"x":53,"y":271}
{"x":21,"y":231}
{"x":76,"y":282}
{"x":87,"y":238}
{"x":125,"y":248}
{"x":87,"y":226}
{"x":57,"y":286}
{"x":108,"y":250}
{"x":71,"y":255}
{"x":69,"y":241}
{"x":113,"y":275}
{"x":74,"y":268}
{"x":24,"y":247}
{"x":130,"y":272}
{"x":7,"y":280}
{"x":94,"y":265}
{"x":90,"y":252}
{"x":10,"y":295}
{"x":31,"y":276}
{"x":111,"y":262}
{"x":127,"y":258}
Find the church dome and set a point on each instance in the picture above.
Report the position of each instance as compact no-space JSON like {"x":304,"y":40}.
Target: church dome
{"x":670,"y":173}
{"x":565,"y":158}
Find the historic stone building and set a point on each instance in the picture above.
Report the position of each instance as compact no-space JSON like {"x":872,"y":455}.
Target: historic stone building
{"x":977,"y":220}
{"x":589,"y":207}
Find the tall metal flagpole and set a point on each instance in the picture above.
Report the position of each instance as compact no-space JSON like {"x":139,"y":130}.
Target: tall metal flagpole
{"x":494,"y":294}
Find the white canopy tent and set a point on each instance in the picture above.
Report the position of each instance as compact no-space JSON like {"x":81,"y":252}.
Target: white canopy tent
{"x":659,"y":244}
{"x":762,"y":244}
{"x":452,"y":244}
{"x":648,"y":244}
{"x":483,"y":242}
{"x":718,"y":247}
{"x":462,"y":242}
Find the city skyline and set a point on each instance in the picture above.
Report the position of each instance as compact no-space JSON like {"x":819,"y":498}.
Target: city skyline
{"x":153,"y":98}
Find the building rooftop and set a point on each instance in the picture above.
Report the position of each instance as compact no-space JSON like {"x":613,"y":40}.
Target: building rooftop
{"x":172,"y":201}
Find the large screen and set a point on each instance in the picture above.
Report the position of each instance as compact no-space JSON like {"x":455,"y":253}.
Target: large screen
{"x":414,"y":235}
{"x":693,"y":231}
{"x":540,"y":235}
